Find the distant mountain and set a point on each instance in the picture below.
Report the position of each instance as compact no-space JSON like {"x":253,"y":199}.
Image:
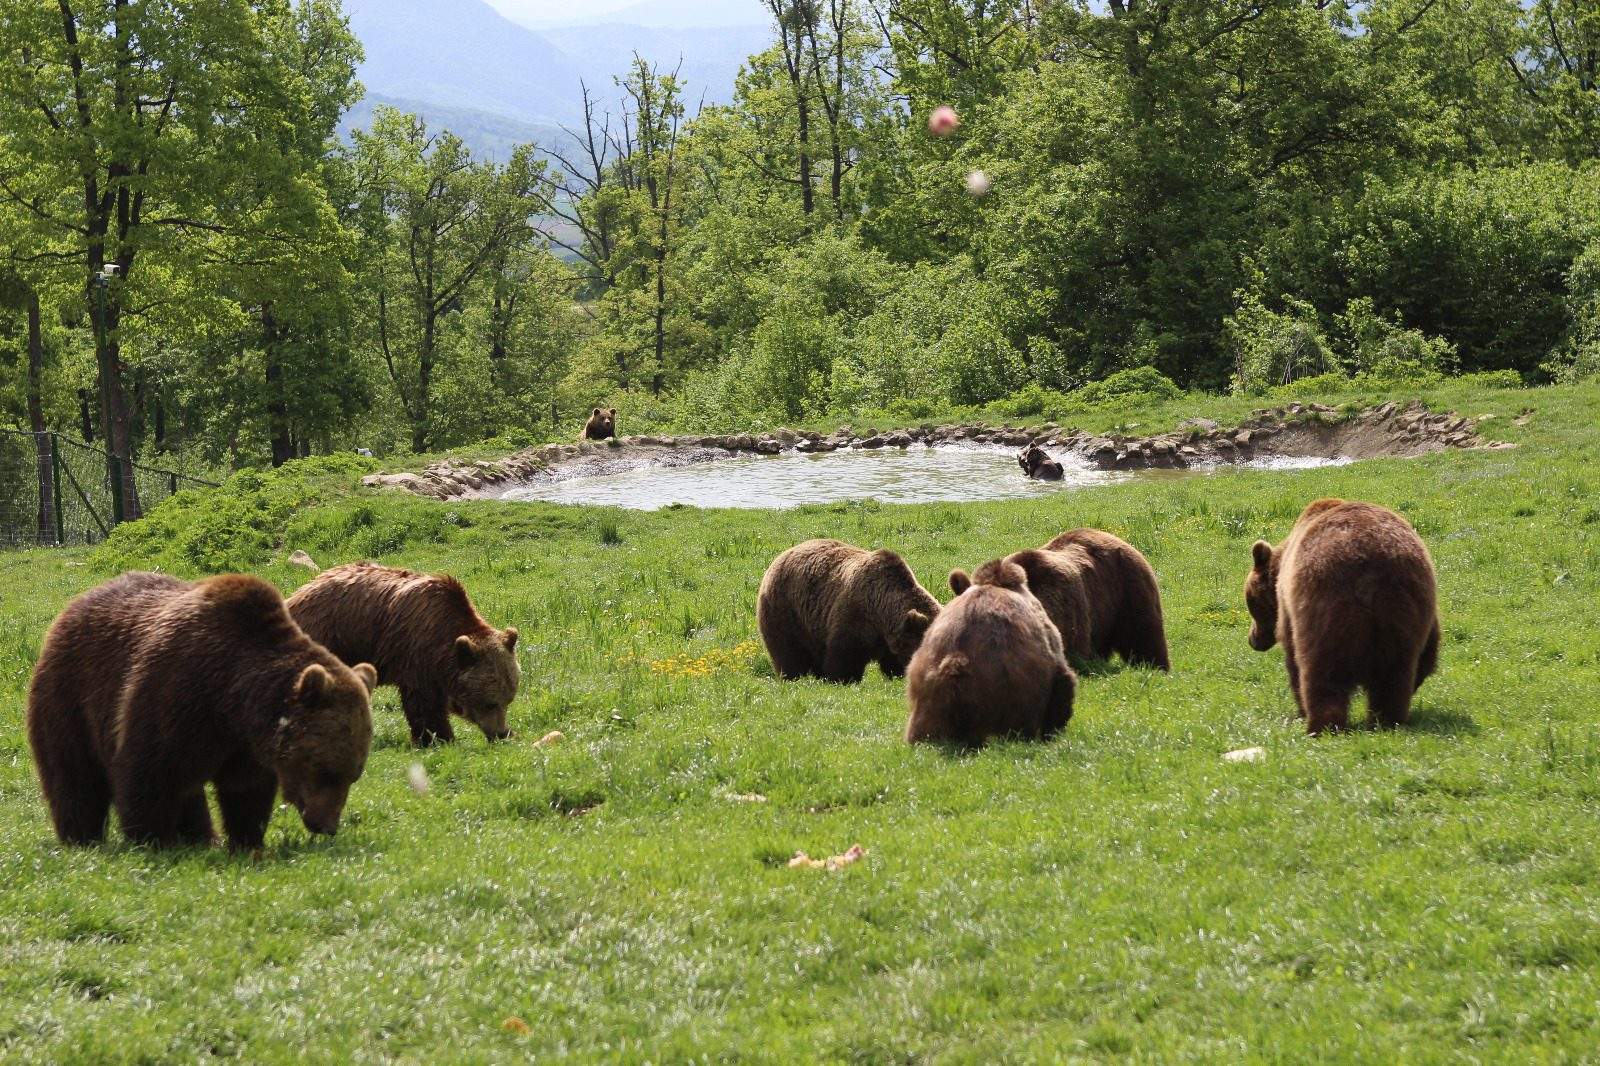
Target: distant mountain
{"x":464,"y":54}
{"x":684,"y":14}
{"x":489,"y":135}
{"x":466,"y":67}
{"x":707,"y":60}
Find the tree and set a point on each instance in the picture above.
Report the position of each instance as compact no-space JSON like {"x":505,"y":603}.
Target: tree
{"x":137,"y":131}
{"x":433,"y":221}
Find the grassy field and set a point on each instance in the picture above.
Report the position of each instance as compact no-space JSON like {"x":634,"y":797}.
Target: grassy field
{"x":1425,"y":895}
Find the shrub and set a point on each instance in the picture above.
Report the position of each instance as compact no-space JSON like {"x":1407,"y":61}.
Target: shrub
{"x":1386,"y":354}
{"x":1140,"y":384}
{"x":1275,"y":348}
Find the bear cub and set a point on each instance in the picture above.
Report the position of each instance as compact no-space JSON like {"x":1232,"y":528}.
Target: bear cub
{"x":148,"y":687}
{"x":1351,"y":596}
{"x":826,"y":609}
{"x":423,"y":634}
{"x":992,"y":665}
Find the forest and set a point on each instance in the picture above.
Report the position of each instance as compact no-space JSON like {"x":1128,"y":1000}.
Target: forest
{"x":1145,"y":195}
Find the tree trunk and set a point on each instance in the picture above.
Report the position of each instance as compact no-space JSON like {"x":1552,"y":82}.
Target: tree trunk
{"x":115,"y":424}
{"x":277,"y":400}
{"x":419,"y":419}
{"x":44,"y":444}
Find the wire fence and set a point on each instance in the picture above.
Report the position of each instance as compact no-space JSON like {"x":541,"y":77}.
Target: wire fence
{"x":56,"y":491}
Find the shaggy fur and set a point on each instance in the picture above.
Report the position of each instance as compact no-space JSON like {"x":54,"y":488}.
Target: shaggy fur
{"x":424,"y":636}
{"x":1351,"y":596}
{"x":992,"y":665}
{"x":826,"y":609}
{"x":1101,"y":593}
{"x":602,"y":424}
{"x":1037,"y":464}
{"x":148,"y":687}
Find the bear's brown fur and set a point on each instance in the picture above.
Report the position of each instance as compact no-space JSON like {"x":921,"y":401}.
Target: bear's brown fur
{"x":148,"y":687}
{"x":992,"y":665}
{"x":1352,"y":597}
{"x":602,"y":424}
{"x":826,"y":609}
{"x":1102,"y":595}
{"x":424,"y":636}
{"x":1037,"y":464}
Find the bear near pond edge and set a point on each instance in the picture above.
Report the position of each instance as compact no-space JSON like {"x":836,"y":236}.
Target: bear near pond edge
{"x":826,"y":609}
{"x":1101,"y":593}
{"x":148,"y":687}
{"x":424,"y":636}
{"x":601,"y":425}
{"x":1352,"y":597}
{"x":992,"y":665}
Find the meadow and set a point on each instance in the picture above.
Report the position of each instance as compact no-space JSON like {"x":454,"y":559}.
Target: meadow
{"x":1424,"y":895}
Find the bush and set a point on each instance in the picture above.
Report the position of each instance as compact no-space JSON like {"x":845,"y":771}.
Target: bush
{"x":1141,"y":384}
{"x":1271,"y":348}
{"x":1386,"y":354}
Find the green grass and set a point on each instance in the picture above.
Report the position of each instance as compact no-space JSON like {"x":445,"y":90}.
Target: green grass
{"x":1431,"y":894}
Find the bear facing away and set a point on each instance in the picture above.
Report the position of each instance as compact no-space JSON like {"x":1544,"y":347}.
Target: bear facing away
{"x":1037,"y":464}
{"x":992,"y":665}
{"x":424,"y":636}
{"x":826,"y":609}
{"x":1352,"y":597}
{"x":148,"y":687}
{"x":602,"y":424}
{"x":1101,"y":593}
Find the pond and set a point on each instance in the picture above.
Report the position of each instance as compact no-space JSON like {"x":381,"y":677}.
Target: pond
{"x":946,"y":473}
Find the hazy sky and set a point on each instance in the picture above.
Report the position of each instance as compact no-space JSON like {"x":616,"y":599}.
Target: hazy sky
{"x":656,"y":12}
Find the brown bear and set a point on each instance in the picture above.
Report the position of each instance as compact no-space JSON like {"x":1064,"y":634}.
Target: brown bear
{"x":992,"y":665}
{"x":826,"y":609}
{"x":1037,"y":464}
{"x":424,"y":636}
{"x":1352,"y":597}
{"x":602,"y":424}
{"x":148,"y":687}
{"x":1101,"y":593}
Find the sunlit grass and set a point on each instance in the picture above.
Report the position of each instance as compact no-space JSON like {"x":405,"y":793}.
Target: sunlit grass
{"x":1422,"y":895}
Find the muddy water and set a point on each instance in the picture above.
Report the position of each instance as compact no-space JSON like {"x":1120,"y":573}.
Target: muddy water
{"x":889,"y":475}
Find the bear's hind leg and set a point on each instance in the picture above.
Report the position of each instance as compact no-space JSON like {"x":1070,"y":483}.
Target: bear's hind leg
{"x":74,"y":783}
{"x":1327,"y":705}
{"x":1430,"y":655}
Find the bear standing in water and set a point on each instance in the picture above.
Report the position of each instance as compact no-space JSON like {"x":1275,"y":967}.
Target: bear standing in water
{"x":148,"y":687}
{"x":1037,"y":464}
{"x":423,"y":634}
{"x":1101,"y":593}
{"x":991,"y":666}
{"x":602,"y":424}
{"x":826,"y":609}
{"x":1352,"y":597}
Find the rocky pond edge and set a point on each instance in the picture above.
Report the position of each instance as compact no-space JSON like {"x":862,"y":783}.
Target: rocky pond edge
{"x":1309,"y":430}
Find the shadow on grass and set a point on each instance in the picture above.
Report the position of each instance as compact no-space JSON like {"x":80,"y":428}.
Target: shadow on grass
{"x":1442,"y":723}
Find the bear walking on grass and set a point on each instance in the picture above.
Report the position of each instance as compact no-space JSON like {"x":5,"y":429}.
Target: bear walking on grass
{"x":1102,"y":595}
{"x":602,"y":424}
{"x":1037,"y":464}
{"x":148,"y":687}
{"x":992,"y":665}
{"x":826,"y":609}
{"x":1351,"y":596}
{"x":424,"y":636}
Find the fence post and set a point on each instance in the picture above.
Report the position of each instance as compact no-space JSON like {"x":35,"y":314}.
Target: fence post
{"x":55,"y":475}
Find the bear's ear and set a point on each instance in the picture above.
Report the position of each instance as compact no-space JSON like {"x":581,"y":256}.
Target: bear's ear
{"x":313,"y":684}
{"x":959,"y":581}
{"x":613,"y":412}
{"x":917,"y":622}
{"x":597,"y":412}
{"x":466,"y":653}
{"x":1261,"y":551}
{"x":510,"y":637}
{"x":368,"y":675}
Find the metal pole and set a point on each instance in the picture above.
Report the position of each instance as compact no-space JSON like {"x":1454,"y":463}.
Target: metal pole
{"x":55,"y":474}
